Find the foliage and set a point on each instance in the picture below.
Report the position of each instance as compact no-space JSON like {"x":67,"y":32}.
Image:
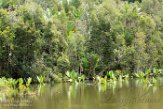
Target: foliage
{"x":124,"y":35}
{"x":72,"y":75}
{"x":90,"y":62}
{"x":155,"y":71}
{"x":59,"y":36}
{"x":110,"y":74}
{"x":81,"y":78}
{"x":140,"y":75}
{"x":101,"y":80}
{"x":40,"y":79}
{"x":28,"y":82}
{"x":14,"y":87}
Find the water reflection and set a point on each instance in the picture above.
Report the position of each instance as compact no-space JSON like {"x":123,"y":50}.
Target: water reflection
{"x":40,"y":89}
{"x":125,"y":94}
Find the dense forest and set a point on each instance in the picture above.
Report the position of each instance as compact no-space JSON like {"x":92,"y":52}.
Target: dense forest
{"x":51,"y":37}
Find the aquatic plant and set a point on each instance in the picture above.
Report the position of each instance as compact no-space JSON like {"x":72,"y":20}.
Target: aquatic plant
{"x":28,"y":82}
{"x":110,"y":75}
{"x":126,"y":76}
{"x":140,"y":74}
{"x":21,"y":85}
{"x":147,"y":72}
{"x":97,"y":78}
{"x":146,"y":81}
{"x":101,"y":80}
{"x":21,"y":81}
{"x":40,"y":79}
{"x":156,"y":71}
{"x":120,"y":78}
{"x":160,"y":71}
{"x":81,"y":78}
{"x":72,"y":76}
{"x":57,"y":78}
{"x":11,"y":83}
{"x":2,"y":82}
{"x":14,"y":87}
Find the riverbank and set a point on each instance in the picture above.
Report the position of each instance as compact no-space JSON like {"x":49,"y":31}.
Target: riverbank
{"x":21,"y":86}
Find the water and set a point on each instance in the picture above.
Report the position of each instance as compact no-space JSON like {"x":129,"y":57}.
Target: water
{"x":126,"y":94}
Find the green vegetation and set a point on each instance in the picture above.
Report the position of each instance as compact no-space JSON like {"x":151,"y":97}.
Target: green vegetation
{"x":28,"y":82}
{"x":81,"y":78}
{"x":112,"y":43}
{"x":40,"y":79}
{"x":74,"y":40}
{"x":74,"y":76}
{"x":110,"y":75}
{"x":14,"y":87}
{"x":140,"y":75}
